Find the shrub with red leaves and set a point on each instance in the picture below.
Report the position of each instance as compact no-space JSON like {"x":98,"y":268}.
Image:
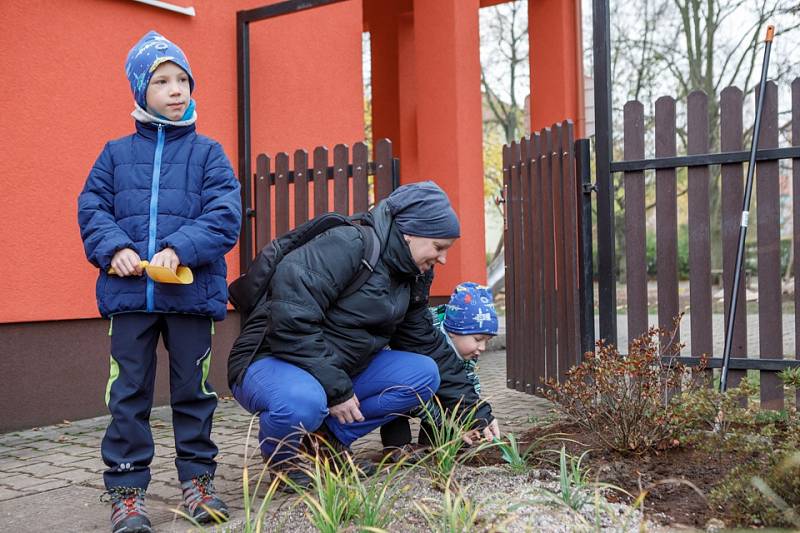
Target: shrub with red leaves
{"x":627,"y":401}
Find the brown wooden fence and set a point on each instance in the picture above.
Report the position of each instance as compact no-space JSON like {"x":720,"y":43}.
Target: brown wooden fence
{"x":542,"y":248}
{"x":286,"y":194}
{"x":770,"y":357}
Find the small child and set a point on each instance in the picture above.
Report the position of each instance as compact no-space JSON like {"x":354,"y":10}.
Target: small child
{"x":170,"y":196}
{"x":468,"y":321}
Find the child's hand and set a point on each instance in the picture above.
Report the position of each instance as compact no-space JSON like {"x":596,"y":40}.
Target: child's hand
{"x":166,"y":258}
{"x":470,"y":437}
{"x":126,"y":262}
{"x":492,"y":431}
{"x":489,"y":433}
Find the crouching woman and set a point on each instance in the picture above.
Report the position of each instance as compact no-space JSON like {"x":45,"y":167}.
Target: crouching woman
{"x":313,"y":358}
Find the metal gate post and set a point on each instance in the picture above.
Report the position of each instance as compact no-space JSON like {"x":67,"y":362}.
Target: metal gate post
{"x":606,"y":254}
{"x":586,"y":263}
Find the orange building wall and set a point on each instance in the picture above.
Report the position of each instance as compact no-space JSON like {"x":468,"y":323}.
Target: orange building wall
{"x":556,"y":63}
{"x":64,"y":94}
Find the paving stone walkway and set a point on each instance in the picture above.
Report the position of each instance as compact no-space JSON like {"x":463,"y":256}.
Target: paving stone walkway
{"x":51,"y":477}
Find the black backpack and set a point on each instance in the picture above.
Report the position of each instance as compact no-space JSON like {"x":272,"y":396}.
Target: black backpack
{"x":245,"y":291}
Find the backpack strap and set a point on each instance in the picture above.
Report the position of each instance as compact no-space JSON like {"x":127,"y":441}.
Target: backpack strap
{"x":372,"y":253}
{"x":370,"y":258}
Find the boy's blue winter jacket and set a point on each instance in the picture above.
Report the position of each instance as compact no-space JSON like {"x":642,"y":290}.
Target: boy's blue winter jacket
{"x":163,"y":186}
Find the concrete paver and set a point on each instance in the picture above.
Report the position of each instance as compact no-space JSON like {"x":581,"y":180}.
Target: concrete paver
{"x":52,"y":477}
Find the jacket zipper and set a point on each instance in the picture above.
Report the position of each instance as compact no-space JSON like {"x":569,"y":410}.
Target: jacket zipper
{"x":151,"y":235}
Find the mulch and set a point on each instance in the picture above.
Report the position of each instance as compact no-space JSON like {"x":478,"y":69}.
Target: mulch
{"x":677,"y":480}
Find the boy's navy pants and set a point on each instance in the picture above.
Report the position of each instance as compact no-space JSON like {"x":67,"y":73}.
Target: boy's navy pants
{"x":288,"y":398}
{"x":128,"y":444}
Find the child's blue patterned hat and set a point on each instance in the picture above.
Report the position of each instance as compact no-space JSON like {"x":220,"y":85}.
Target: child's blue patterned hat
{"x":144,"y":58}
{"x":471,"y":311}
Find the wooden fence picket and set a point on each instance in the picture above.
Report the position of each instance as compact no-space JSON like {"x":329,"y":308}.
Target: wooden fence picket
{"x":383,"y":170}
{"x":281,"y":191}
{"x":320,"y":180}
{"x":536,"y":221}
{"x":768,"y":213}
{"x":635,"y":219}
{"x":524,"y":366}
{"x":341,"y":184}
{"x":300,"y":186}
{"x":666,"y":218}
{"x":262,"y":202}
{"x":731,"y":100}
{"x":699,"y":228}
{"x":360,"y":178}
{"x":571,"y":300}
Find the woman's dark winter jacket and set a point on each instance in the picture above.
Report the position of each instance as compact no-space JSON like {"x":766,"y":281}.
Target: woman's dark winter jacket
{"x":163,"y":186}
{"x":333,"y":339}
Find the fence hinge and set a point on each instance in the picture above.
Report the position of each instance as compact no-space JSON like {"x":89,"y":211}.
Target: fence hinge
{"x":250,"y":212}
{"x":589,"y":188}
{"x":501,"y":202}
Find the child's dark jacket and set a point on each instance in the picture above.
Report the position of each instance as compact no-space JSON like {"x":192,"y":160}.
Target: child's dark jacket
{"x":164,"y":186}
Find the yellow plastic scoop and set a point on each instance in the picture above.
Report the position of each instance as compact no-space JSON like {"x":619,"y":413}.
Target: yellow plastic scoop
{"x":160,"y":274}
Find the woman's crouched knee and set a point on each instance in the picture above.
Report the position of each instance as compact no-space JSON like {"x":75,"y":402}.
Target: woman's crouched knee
{"x":428,"y":378}
{"x":300,"y":407}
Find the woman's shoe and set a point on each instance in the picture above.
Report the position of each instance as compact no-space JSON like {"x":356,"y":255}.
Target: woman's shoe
{"x":407,"y":453}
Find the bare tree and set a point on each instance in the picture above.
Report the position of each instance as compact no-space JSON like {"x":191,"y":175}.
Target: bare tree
{"x":505,"y":80}
{"x":504,"y":70}
{"x":678,"y":46}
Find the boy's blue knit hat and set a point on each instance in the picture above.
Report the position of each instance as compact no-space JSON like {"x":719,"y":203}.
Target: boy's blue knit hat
{"x":471,"y":311}
{"x":144,"y":58}
{"x":423,"y":209}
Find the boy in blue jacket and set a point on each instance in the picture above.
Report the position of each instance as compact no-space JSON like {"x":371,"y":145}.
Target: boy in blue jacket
{"x":169,"y":196}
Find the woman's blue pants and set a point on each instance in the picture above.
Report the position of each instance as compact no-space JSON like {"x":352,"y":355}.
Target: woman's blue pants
{"x":288,"y":398}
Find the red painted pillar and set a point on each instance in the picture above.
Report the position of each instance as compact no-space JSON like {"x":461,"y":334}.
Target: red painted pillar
{"x":449,"y":125}
{"x":391,"y":28}
{"x":407,"y":103}
{"x":382,"y":26}
{"x":556,"y":63}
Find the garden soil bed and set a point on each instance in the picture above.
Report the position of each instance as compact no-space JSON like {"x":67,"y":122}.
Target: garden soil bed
{"x":666,"y":475}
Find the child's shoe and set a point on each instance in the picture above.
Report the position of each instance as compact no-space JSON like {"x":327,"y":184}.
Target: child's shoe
{"x":128,"y":514}
{"x":201,"y":500}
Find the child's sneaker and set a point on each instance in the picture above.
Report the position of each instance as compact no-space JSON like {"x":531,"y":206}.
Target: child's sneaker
{"x":201,"y":500}
{"x":128,"y":514}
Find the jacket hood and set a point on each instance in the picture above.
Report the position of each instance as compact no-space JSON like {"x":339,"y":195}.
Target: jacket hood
{"x":396,"y":253}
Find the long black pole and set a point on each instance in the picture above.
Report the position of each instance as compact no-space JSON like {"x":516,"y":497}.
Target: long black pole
{"x":737,"y":274}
